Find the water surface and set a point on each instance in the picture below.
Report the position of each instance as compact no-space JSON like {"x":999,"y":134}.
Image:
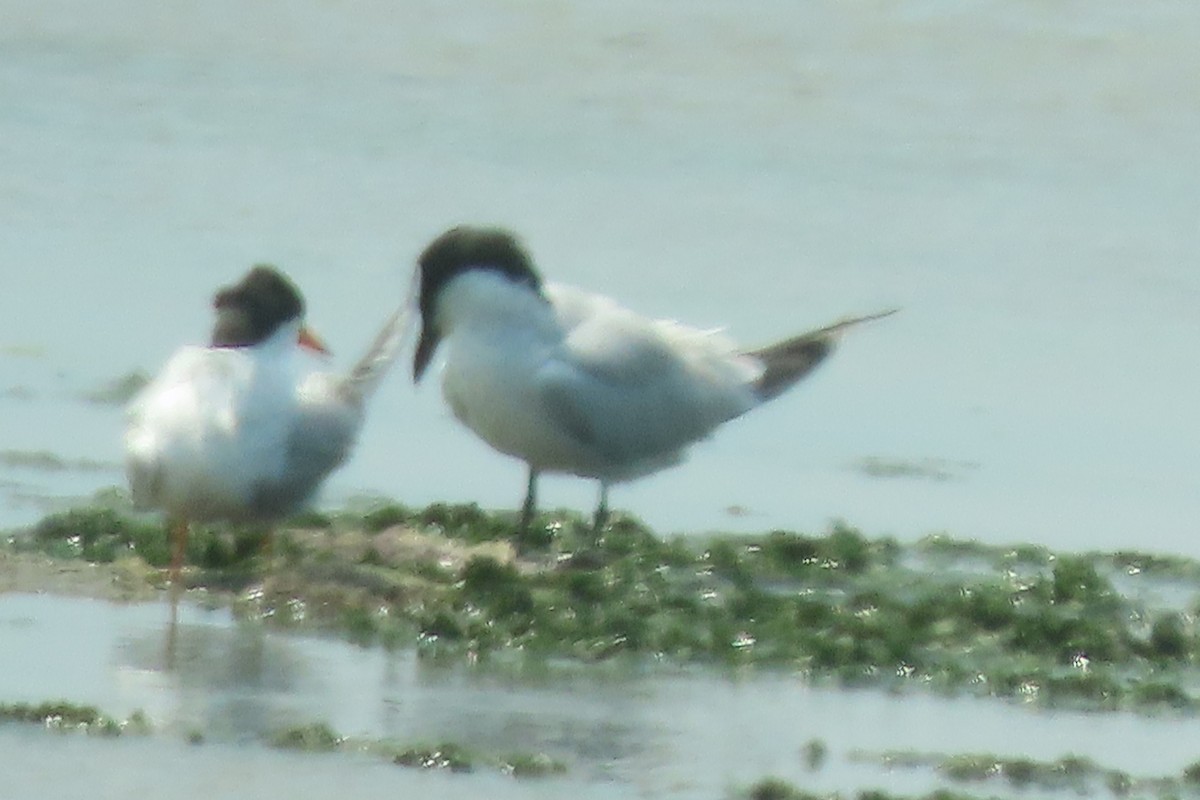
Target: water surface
{"x":1018,"y":176}
{"x":649,"y":732}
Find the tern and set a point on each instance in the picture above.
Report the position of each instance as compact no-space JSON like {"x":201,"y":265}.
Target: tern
{"x":243,"y":430}
{"x":571,"y":382}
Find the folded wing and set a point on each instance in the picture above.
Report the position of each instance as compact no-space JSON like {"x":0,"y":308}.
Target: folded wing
{"x":634,"y":391}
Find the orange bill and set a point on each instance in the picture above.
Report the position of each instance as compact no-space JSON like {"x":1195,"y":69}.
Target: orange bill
{"x":309,"y":340}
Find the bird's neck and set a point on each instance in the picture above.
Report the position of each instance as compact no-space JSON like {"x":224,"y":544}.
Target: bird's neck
{"x":480,"y":303}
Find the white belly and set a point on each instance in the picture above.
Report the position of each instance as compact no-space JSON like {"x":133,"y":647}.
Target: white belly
{"x":207,"y":434}
{"x":494,"y":393}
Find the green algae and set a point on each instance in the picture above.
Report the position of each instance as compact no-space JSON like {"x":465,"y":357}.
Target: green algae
{"x":1023,"y":622}
{"x":100,"y":535}
{"x":1170,"y":638}
{"x":57,"y":712}
{"x":447,"y":756}
{"x":312,"y":738}
{"x":63,"y":715}
{"x":775,"y":789}
{"x":814,"y":753}
{"x":318,"y":737}
{"x":1077,"y":775}
{"x":779,"y":789}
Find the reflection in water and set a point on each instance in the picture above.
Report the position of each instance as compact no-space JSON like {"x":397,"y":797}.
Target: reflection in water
{"x":172,"y":637}
{"x":598,"y":724}
{"x":655,"y":731}
{"x":225,"y":678}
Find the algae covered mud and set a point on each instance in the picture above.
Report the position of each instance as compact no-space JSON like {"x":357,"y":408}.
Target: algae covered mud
{"x":1101,"y":630}
{"x":428,"y":648}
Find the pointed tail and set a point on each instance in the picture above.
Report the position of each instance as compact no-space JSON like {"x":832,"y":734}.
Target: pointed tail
{"x":786,"y":362}
{"x":363,"y":379}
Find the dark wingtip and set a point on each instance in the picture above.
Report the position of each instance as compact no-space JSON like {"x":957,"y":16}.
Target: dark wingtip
{"x":786,"y":363}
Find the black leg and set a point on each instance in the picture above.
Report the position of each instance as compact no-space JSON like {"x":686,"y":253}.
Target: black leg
{"x":602,"y":508}
{"x":530,"y":506}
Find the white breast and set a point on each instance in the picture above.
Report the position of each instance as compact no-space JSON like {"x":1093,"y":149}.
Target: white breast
{"x":210,"y":429}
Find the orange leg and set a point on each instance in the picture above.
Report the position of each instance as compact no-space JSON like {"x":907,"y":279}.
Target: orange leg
{"x":178,"y":531}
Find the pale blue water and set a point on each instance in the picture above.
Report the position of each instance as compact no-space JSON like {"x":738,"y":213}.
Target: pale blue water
{"x":1020,"y":177}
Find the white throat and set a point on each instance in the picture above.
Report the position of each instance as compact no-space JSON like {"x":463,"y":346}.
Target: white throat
{"x":481,"y":302}
{"x":286,"y":337}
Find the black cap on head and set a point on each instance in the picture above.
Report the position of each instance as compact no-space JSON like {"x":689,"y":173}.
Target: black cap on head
{"x":253,"y":309}
{"x":458,"y":250}
{"x":465,"y":248}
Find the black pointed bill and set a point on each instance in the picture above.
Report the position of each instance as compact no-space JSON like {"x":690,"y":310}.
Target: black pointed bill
{"x":425,"y":347}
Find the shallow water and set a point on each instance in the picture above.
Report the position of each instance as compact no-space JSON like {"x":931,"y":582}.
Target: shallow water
{"x":1018,"y":176}
{"x":652,"y":733}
